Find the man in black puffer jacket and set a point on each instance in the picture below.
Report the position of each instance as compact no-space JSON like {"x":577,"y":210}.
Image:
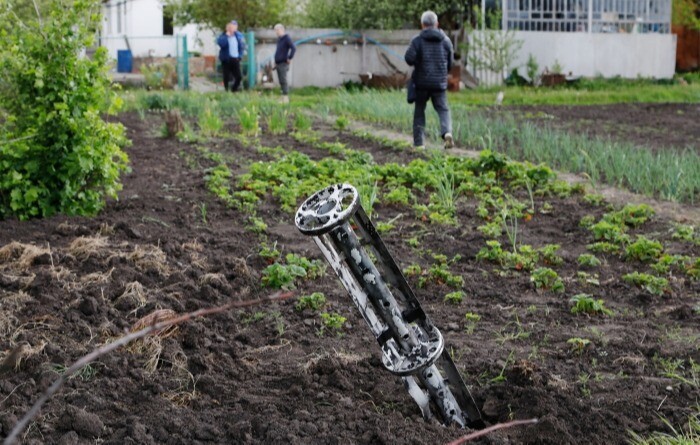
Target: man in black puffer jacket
{"x":431,"y":54}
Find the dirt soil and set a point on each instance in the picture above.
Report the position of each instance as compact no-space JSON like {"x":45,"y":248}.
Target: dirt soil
{"x":658,"y":126}
{"x":265,"y":375}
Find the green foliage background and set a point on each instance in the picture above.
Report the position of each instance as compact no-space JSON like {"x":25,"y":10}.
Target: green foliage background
{"x":57,"y":154}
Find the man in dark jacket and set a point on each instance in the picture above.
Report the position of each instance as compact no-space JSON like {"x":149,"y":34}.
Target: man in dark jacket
{"x":431,"y":54}
{"x":232,"y":49}
{"x":283,"y":57}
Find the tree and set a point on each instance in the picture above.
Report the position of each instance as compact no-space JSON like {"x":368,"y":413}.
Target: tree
{"x":687,"y":13}
{"x":493,"y":49}
{"x":385,"y":14}
{"x":216,"y":13}
{"x":57,"y":154}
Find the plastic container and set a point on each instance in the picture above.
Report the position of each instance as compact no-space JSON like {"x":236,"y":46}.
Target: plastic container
{"x":124,"y":61}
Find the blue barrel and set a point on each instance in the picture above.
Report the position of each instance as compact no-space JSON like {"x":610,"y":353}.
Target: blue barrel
{"x":124,"y":61}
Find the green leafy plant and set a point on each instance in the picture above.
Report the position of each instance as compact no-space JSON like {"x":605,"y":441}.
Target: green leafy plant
{"x":472,"y":320}
{"x":547,"y":279}
{"x":603,"y":247}
{"x":269,"y":253}
{"x":332,"y":321}
{"x":314,"y":302}
{"x":341,"y":123}
{"x":650,"y":283}
{"x":586,"y":304}
{"x":57,"y":153}
{"x":644,"y":249}
{"x":454,"y":297}
{"x":578,"y":344}
{"x":594,"y":199}
{"x":439,"y":273}
{"x":666,"y":262}
{"x":279,"y":276}
{"x":314,"y":268}
{"x":399,"y":195}
{"x":532,"y":69}
{"x":684,"y":232}
{"x":548,"y":254}
{"x":588,"y":260}
{"x":256,"y":225}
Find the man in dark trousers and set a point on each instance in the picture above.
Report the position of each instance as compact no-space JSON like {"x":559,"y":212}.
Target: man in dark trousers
{"x":233,"y":48}
{"x":431,"y":54}
{"x":283,"y":57}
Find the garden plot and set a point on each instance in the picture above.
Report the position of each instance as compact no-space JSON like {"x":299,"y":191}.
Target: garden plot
{"x":555,"y":305}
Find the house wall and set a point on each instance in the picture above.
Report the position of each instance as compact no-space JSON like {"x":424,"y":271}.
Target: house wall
{"x":583,"y":54}
{"x":333,"y":62}
{"x":142,"y":24}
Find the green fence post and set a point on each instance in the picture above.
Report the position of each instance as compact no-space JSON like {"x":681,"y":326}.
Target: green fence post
{"x":252,"y":64}
{"x":183,"y":62}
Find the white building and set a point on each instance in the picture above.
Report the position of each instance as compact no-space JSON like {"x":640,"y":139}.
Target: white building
{"x":141,"y":25}
{"x":626,"y":38}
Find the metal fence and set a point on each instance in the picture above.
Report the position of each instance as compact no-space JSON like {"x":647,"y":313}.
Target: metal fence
{"x":593,"y":16}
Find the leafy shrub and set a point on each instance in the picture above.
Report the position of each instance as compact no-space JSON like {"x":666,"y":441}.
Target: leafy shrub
{"x":585,"y":304}
{"x":57,"y":154}
{"x":588,"y":260}
{"x":650,"y":283}
{"x":547,"y":279}
{"x":314,"y":302}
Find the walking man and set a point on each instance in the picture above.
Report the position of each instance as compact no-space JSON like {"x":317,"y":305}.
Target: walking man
{"x":431,"y":54}
{"x":283,"y":57}
{"x":233,"y":48}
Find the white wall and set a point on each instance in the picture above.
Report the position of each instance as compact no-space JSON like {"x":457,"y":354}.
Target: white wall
{"x":142,"y":23}
{"x":582,"y":54}
{"x":336,"y":59}
{"x":199,"y":39}
{"x":609,"y":55}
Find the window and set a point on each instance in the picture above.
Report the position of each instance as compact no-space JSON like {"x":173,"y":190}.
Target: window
{"x":167,"y":24}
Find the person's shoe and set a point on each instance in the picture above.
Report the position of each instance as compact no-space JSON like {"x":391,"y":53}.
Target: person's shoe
{"x":284,"y":99}
{"x":419,"y":147}
{"x":449,"y":141}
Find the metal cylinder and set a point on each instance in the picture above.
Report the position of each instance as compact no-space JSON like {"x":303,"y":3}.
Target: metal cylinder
{"x":412,"y":347}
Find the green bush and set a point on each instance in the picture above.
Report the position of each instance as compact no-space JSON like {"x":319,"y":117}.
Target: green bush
{"x":57,"y":155}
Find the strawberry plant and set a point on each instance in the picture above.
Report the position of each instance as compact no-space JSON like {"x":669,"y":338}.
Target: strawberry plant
{"x":650,"y":283}
{"x":578,"y":344}
{"x":279,"y":276}
{"x":314,"y":268}
{"x":472,"y":319}
{"x":547,"y":279}
{"x":454,"y":297}
{"x":603,"y":247}
{"x":314,"y":302}
{"x":588,"y":260}
{"x":585,"y":304}
{"x":269,"y":253}
{"x":548,"y":254}
{"x":683,"y":232}
{"x":58,"y":154}
{"x":643,"y":249}
{"x":333,"y":322}
{"x":666,"y":262}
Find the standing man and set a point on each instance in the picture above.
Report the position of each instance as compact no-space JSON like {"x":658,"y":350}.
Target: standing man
{"x":233,"y":48}
{"x":283,"y":57}
{"x":430,"y":53}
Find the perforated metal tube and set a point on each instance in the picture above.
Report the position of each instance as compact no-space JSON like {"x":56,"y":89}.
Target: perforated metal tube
{"x":412,"y":347}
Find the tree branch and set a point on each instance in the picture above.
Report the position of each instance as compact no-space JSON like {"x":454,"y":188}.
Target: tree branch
{"x":498,"y":426}
{"x":109,"y":347}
